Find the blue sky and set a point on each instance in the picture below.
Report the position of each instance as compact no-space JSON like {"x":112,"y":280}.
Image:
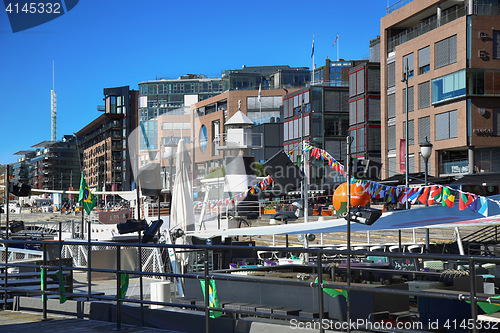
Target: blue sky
{"x":109,"y":43}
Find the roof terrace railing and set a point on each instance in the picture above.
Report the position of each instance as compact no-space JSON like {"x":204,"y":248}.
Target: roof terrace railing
{"x":397,"y":5}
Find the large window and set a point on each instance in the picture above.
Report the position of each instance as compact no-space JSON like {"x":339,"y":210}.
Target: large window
{"x":267,"y":102}
{"x":410,"y":100}
{"x":357,"y":111}
{"x":391,"y":137}
{"x":336,"y":125}
{"x":176,"y":126}
{"x":496,"y":44}
{"x":424,"y":129}
{"x":448,"y":87}
{"x":424,"y":95}
{"x":424,"y":60}
{"x":446,"y":125}
{"x":408,"y":60}
{"x":391,"y":74}
{"x":410,"y":131}
{"x":445,"y":52}
{"x":391,"y":106}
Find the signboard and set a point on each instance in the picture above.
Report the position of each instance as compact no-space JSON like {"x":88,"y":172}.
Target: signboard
{"x":402,"y":155}
{"x":404,"y":264}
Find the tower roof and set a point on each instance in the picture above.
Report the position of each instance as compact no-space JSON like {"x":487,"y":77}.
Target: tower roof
{"x":239,"y":118}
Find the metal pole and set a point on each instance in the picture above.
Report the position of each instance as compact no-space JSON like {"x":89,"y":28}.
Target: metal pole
{"x":473,"y":294}
{"x":406,"y":136}
{"x":348,"y":218}
{"x":89,"y":259}
{"x":320,"y":291}
{"x":141,"y":289}
{"x":118,"y":289}
{"x":44,"y":281}
{"x":7,"y":208}
{"x":61,"y":278}
{"x":207,"y":293}
{"x":304,"y":182}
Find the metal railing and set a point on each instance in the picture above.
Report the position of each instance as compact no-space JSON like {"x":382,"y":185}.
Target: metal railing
{"x":397,"y":5}
{"x":320,"y":255}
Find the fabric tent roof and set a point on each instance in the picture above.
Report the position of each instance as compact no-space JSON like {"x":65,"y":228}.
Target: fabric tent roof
{"x":435,"y":216}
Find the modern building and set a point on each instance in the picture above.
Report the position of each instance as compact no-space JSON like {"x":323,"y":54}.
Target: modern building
{"x":266,"y":77}
{"x":364,"y":111}
{"x":106,"y":161}
{"x":447,"y":54}
{"x":211,"y":115}
{"x":335,"y":73}
{"x":323,"y":114}
{"x":55,"y":164}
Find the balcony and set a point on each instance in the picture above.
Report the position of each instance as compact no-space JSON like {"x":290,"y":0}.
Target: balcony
{"x":240,"y":140}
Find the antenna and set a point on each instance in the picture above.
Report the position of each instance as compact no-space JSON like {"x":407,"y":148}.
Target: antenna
{"x":53,"y":109}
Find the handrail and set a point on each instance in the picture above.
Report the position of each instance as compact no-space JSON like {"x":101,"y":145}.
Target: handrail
{"x":213,"y":275}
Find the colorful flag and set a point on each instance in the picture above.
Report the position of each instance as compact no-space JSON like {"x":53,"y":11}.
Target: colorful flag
{"x":474,"y":205}
{"x":260,"y":92}
{"x":86,"y":198}
{"x":488,"y":307}
{"x":448,"y":197}
{"x":213,"y":298}
{"x":436,"y":194}
{"x":124,"y":279}
{"x":414,"y":194}
{"x":332,"y":292}
{"x":336,"y":38}
{"x":483,"y":206}
{"x":290,"y":154}
{"x":62,"y":298}
{"x":465,"y":199}
{"x":424,"y":194}
{"x":312,"y":53}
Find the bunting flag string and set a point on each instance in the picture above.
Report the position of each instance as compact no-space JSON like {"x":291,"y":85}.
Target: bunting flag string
{"x":432,"y":194}
{"x":240,"y":196}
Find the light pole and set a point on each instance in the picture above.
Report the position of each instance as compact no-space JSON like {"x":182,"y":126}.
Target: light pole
{"x":405,"y":79}
{"x":170,"y":148}
{"x":426,"y":151}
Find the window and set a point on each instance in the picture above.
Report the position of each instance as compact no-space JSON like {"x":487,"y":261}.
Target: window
{"x":374,"y":109}
{"x":408,"y":60}
{"x":391,"y":106}
{"x":424,"y":60}
{"x":424,"y":129}
{"x":391,"y":137}
{"x":448,"y":87}
{"x":424,"y":95}
{"x":446,"y":125}
{"x":410,"y":100}
{"x":445,"y":52}
{"x":391,"y":74}
{"x":496,"y":44}
{"x":410,"y":131}
{"x":203,"y":138}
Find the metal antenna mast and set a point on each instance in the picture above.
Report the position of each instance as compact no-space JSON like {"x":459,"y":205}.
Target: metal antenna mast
{"x":53,"y":109}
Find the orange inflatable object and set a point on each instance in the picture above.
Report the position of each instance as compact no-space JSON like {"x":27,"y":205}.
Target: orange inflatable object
{"x":358,"y":196}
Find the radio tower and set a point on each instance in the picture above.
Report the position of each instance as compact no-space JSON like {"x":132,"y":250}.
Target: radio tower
{"x":53,"y":109}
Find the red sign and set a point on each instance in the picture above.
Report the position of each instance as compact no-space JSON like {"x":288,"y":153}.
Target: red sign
{"x":402,"y":155}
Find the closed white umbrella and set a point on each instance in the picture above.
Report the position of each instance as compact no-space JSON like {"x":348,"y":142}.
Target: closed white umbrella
{"x":182,"y":213}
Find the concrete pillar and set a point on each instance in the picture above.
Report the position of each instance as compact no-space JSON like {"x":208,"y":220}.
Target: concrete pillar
{"x":470,"y":4}
{"x":439,"y":12}
{"x":470,"y":152}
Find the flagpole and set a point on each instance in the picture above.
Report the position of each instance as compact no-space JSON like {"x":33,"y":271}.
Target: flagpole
{"x":313,"y":62}
{"x":337,"y":47}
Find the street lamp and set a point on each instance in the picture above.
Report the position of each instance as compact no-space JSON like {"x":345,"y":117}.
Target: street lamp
{"x":170,"y":148}
{"x":426,"y":151}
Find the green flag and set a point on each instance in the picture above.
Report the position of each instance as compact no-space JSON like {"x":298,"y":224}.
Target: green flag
{"x":42,"y":273}
{"x":487,"y":307}
{"x":332,"y":292}
{"x":60,"y":276}
{"x":213,"y":299}
{"x":124,"y":279}
{"x":86,"y":198}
